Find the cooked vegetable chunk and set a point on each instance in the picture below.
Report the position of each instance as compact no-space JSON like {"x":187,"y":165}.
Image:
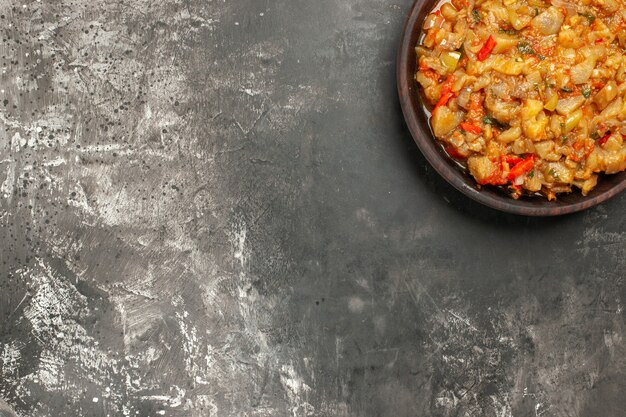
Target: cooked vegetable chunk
{"x":530,"y":95}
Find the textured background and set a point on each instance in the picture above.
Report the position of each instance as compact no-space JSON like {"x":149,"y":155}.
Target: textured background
{"x":213,"y":208}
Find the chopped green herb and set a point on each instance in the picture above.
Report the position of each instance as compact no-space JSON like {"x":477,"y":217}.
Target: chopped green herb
{"x":566,"y":90}
{"x":536,"y":11}
{"x":509,"y":31}
{"x":525,"y":48}
{"x":531,"y":174}
{"x":595,"y":135}
{"x":564,"y":139}
{"x":562,"y":124}
{"x":553,"y":174}
{"x":488,"y":120}
{"x":586,"y":91}
{"x":476,"y":15}
{"x":591,"y":18}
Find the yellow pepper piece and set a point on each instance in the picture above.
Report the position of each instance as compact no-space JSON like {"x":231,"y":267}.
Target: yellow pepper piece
{"x":450,"y":60}
{"x":572,"y":121}
{"x":552,"y":102}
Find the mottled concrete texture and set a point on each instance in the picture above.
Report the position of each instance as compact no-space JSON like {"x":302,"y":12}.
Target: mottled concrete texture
{"x":213,"y":208}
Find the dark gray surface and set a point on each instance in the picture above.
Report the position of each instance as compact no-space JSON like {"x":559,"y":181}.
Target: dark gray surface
{"x":213,"y":208}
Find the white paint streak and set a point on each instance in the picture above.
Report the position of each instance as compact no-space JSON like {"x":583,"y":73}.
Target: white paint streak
{"x":50,"y":372}
{"x":10,"y":358}
{"x":55,"y":162}
{"x":191,"y":345}
{"x":8,"y":184}
{"x":172,"y":401}
{"x":297,"y":391}
{"x":239,"y":243}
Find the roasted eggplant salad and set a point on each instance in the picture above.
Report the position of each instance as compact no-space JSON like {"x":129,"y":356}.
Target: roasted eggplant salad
{"x":529,"y":95}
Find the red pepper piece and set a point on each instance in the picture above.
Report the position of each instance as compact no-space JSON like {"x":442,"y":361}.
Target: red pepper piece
{"x":468,"y":127}
{"x":521,"y":168}
{"x":486,"y":49}
{"x":446,"y":92}
{"x":445,"y":97}
{"x":604,"y":139}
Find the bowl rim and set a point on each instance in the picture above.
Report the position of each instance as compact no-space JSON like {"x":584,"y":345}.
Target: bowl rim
{"x":426,"y":142}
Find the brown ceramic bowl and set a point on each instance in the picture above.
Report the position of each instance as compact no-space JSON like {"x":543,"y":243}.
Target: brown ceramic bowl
{"x":417,"y":121}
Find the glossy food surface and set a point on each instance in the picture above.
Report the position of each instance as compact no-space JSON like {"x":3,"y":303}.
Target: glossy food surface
{"x":530,"y":95}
